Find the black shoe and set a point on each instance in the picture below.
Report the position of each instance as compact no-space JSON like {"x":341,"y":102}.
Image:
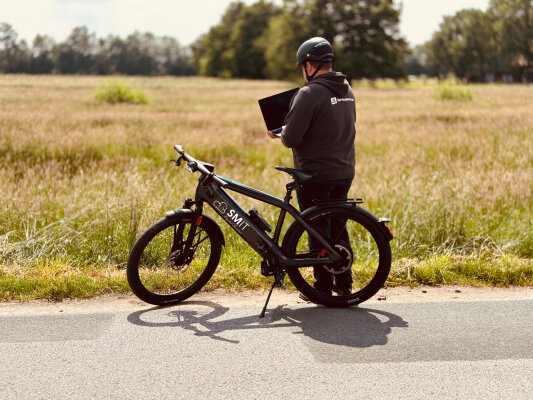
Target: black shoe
{"x":342,"y":291}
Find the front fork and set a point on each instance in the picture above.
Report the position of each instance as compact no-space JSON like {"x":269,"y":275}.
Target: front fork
{"x":186,"y":249}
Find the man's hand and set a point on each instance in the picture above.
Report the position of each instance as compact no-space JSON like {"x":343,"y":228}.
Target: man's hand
{"x":272,"y":136}
{"x":277,"y":134}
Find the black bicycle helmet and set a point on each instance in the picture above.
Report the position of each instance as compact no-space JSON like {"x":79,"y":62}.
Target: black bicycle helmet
{"x":315,"y":49}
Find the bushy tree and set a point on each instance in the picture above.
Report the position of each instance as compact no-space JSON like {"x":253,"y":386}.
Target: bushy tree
{"x":464,"y":42}
{"x":285,"y":32}
{"x":514,"y":19}
{"x":473,"y":41}
{"x":261,"y":40}
{"x":365,"y":36}
{"x":233,"y":48}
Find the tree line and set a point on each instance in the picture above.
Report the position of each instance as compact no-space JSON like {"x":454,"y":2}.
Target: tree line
{"x":259,"y":41}
{"x":252,"y":41}
{"x":473,"y":44}
{"x":83,"y":53}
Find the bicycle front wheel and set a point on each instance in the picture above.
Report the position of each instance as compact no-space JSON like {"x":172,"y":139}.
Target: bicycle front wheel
{"x":365,"y":263}
{"x":159,"y":272}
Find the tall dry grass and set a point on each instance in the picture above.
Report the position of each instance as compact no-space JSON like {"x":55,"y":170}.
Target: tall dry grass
{"x":80,"y":179}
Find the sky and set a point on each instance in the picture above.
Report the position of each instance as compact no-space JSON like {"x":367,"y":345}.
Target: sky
{"x":184,"y":20}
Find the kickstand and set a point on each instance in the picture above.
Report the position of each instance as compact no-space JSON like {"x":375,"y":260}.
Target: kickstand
{"x":278,"y":281}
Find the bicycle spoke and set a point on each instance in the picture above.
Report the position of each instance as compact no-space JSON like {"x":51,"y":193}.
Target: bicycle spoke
{"x":172,"y":273}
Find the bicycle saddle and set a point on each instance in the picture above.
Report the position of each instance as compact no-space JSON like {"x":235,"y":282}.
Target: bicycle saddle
{"x":298,"y":175}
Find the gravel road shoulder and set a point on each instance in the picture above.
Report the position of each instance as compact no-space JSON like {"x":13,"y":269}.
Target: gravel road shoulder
{"x":110,"y":303}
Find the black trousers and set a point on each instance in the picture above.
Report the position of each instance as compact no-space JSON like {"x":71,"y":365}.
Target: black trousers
{"x":325,"y":191}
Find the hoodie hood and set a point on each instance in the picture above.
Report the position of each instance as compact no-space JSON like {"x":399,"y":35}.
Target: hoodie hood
{"x":334,"y":81}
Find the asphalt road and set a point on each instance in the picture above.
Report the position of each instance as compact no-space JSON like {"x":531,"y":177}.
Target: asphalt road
{"x":204,"y":350}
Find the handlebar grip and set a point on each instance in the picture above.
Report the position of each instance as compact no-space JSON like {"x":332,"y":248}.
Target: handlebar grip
{"x":199,"y":166}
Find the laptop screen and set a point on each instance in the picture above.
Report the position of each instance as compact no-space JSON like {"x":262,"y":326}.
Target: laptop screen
{"x":275,"y":108}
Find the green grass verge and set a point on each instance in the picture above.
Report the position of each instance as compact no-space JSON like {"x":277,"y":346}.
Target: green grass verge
{"x":59,"y":282}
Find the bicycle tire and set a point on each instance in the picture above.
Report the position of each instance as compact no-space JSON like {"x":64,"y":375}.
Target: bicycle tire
{"x":150,"y":259}
{"x":370,"y":255}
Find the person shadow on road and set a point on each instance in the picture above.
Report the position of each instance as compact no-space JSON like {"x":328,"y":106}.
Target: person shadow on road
{"x":352,"y":327}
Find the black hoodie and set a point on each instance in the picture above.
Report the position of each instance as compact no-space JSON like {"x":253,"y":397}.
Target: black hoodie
{"x":320,"y":128}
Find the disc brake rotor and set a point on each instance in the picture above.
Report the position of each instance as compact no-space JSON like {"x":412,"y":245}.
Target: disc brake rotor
{"x":178,"y":261}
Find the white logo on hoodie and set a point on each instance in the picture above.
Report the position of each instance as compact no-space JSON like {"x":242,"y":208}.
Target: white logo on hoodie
{"x":335,"y":100}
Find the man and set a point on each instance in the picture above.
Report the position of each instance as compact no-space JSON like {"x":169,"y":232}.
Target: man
{"x":320,"y":130}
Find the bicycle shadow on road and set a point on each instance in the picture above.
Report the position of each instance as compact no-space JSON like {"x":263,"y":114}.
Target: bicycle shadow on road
{"x":353,"y":327}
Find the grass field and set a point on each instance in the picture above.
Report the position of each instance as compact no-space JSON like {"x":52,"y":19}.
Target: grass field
{"x":81,"y":179}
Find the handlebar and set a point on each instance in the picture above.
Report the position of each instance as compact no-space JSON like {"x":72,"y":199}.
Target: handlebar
{"x":199,"y":165}
{"x":218,"y":180}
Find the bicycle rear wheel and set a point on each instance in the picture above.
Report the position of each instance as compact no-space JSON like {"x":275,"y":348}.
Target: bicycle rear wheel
{"x":158,"y":271}
{"x":365,"y":264}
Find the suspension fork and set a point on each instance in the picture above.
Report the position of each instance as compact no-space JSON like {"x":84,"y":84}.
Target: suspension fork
{"x":177,"y":240}
{"x":178,"y":243}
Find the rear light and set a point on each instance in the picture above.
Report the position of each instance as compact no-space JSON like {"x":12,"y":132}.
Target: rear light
{"x":383,"y":222}
{"x":390,"y":232}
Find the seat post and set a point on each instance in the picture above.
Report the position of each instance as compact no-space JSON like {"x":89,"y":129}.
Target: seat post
{"x":290,"y":187}
{"x":288,"y":196}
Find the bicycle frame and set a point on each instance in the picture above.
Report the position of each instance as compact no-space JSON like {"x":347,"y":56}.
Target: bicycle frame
{"x":228,"y":208}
